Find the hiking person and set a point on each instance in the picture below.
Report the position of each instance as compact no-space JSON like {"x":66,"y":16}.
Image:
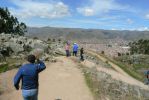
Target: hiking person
{"x":146,"y":81}
{"x":82,"y":54}
{"x":75,"y":49}
{"x":67,"y":49}
{"x":28,"y":73}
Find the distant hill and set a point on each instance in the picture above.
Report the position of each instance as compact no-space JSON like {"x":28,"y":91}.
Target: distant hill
{"x":84,"y":34}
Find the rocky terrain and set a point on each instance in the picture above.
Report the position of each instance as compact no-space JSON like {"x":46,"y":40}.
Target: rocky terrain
{"x":14,"y":49}
{"x":106,"y":80}
{"x":109,"y":83}
{"x":110,"y":42}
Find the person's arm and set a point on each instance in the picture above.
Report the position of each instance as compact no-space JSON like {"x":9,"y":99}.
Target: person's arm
{"x":40,"y":66}
{"x":17,"y":79}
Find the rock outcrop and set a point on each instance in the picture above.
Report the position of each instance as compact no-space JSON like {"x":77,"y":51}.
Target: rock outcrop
{"x":13,"y":44}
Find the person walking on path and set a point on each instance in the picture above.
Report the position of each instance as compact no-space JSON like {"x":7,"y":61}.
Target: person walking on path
{"x":67,"y":49}
{"x":75,"y":49}
{"x":82,"y":54}
{"x":28,"y":73}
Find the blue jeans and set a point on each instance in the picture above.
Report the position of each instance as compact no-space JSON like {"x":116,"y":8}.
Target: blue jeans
{"x":30,"y":94}
{"x":75,"y":53}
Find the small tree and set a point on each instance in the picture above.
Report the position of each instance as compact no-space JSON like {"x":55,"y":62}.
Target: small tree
{"x":49,"y":40}
{"x":35,"y":38}
{"x":119,"y":54}
{"x":102,"y":52}
{"x":139,"y":47}
{"x":59,"y":40}
{"x":53,"y":40}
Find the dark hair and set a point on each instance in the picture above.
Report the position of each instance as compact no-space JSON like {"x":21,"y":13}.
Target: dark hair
{"x":31,"y":58}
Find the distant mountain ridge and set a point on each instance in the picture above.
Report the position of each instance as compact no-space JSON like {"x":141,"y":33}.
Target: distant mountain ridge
{"x":84,"y":34}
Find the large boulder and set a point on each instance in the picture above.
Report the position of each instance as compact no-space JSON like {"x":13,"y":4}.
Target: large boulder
{"x":2,"y":58}
{"x":20,"y":43}
{"x":5,"y":50}
{"x":5,"y":37}
{"x":38,"y":44}
{"x":16,"y":48}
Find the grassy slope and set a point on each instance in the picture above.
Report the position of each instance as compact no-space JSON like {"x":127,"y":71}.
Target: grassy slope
{"x":126,"y":68}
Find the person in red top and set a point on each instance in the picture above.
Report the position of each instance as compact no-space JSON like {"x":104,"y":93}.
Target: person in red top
{"x":67,"y":49}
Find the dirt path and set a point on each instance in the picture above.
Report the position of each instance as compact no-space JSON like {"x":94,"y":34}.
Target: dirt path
{"x":119,"y":74}
{"x":61,"y":80}
{"x":117,"y":68}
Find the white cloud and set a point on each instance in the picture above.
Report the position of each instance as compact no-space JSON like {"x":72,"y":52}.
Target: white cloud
{"x":86,"y":11}
{"x":30,"y":8}
{"x":143,"y":29}
{"x":100,"y":6}
{"x":129,"y":21}
{"x":140,"y":29}
{"x":147,"y":16}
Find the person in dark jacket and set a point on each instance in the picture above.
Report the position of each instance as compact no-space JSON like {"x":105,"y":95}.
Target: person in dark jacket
{"x":146,"y":81}
{"x":82,"y":54}
{"x":28,"y":73}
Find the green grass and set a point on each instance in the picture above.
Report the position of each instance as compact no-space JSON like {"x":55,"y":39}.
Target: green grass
{"x":127,"y":68}
{"x":95,"y":85}
{"x":91,"y":84}
{"x":131,"y":72}
{"x":7,"y":67}
{"x":10,"y":64}
{"x":4,"y":68}
{"x":140,"y":66}
{"x":89,"y":80}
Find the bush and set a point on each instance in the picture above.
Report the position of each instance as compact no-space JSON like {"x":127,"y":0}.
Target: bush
{"x":102,"y":52}
{"x":35,"y":38}
{"x":4,"y":68}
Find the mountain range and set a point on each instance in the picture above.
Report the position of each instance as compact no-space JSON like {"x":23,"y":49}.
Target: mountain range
{"x":84,"y":34}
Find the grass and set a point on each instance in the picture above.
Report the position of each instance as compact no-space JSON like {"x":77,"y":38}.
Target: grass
{"x":99,"y":91}
{"x":126,"y":68}
{"x":89,"y":80}
{"x":139,"y":66}
{"x":131,"y":71}
{"x":4,"y":68}
{"x":10,"y":64}
{"x":96,"y":86}
{"x":91,"y":84}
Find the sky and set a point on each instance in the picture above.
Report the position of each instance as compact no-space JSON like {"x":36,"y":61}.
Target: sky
{"x":88,"y":14}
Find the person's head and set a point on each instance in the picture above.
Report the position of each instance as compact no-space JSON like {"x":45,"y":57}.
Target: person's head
{"x":68,"y":43}
{"x":31,"y":58}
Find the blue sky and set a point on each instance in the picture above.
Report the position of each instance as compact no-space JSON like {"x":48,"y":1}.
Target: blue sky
{"x":96,"y":14}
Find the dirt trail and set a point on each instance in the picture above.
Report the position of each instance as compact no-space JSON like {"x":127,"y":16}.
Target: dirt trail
{"x":117,"y":68}
{"x":119,"y":74}
{"x":61,"y":80}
